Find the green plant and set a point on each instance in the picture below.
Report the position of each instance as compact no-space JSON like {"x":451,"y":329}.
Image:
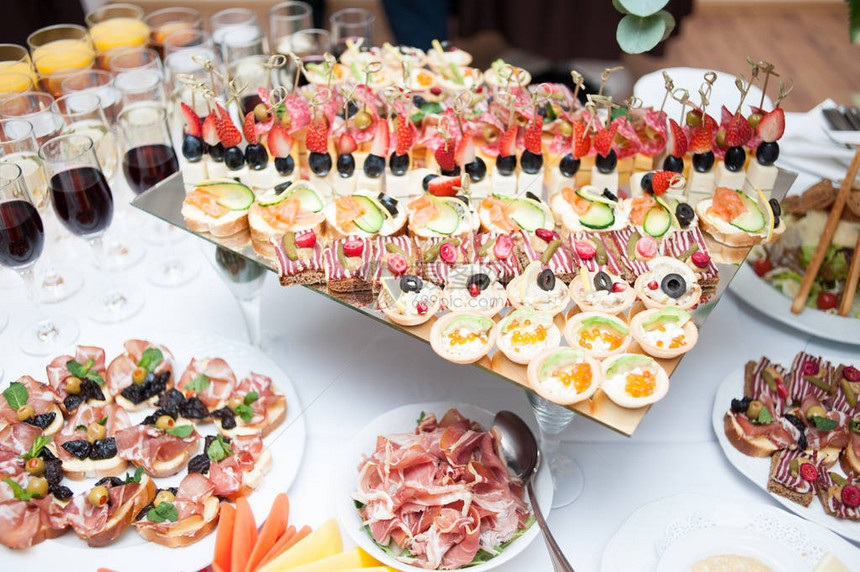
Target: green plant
{"x":645,"y":24}
{"x":854,"y":20}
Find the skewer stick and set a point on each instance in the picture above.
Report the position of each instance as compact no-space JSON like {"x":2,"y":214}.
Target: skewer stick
{"x":578,"y":81}
{"x":851,"y":283}
{"x":826,"y":236}
{"x":669,"y":85}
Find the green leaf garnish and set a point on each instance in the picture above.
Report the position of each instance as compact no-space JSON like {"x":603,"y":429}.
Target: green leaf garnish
{"x":20,"y":493}
{"x":84,"y":371}
{"x":420,"y":418}
{"x":181,"y":431}
{"x":16,"y":394}
{"x":854,"y":425}
{"x":219,"y":450}
{"x":135,"y":478}
{"x":38,"y":444}
{"x":245,"y":412}
{"x":81,"y":428}
{"x":823,"y":423}
{"x":95,"y":376}
{"x":164,"y":511}
{"x":251,"y":397}
{"x":150,"y":358}
{"x":550,"y":112}
{"x":103,"y":420}
{"x":199,"y":383}
{"x":764,"y":417}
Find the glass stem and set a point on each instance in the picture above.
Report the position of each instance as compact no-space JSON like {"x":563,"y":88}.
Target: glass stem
{"x":253,"y":319}
{"x":112,"y":297}
{"x":46,"y":329}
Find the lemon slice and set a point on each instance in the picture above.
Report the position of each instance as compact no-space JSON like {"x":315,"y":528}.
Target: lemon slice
{"x":397,"y":303}
{"x":534,"y":266}
{"x":765,"y":207}
{"x":583,"y":273}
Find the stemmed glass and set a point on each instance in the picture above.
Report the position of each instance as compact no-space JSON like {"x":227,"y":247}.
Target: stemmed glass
{"x":133,"y":59}
{"x":114,"y":27}
{"x":285,"y":19}
{"x":567,"y":477}
{"x":149,"y":158}
{"x":16,"y":70}
{"x":18,"y":146}
{"x":84,"y":204}
{"x":141,"y":86}
{"x":311,"y":46}
{"x":34,"y":107}
{"x":101,"y":83}
{"x":22,"y":239}
{"x":179,"y":41}
{"x":351,"y":24}
{"x":239,"y":23}
{"x":167,"y":21}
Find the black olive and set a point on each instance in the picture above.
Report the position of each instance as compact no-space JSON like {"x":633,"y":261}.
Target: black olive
{"x":741,"y":405}
{"x":192,"y":148}
{"x":216,"y":151}
{"x":546,"y":280}
{"x":256,"y":156}
{"x":674,"y":285}
{"x":767,"y":152}
{"x":476,"y":170}
{"x":610,"y":195}
{"x":320,"y":163}
{"x":41,"y":420}
{"x":345,"y":165}
{"x":374,"y":166}
{"x":352,"y":106}
{"x":199,"y":464}
{"x":54,"y":471}
{"x":674,"y":164}
{"x":481,"y":280}
{"x":462,"y":198}
{"x":646,"y":183}
{"x":60,"y":492}
{"x":735,"y":158}
{"x":606,"y":164}
{"x":568,"y":165}
{"x":602,"y":281}
{"x":79,"y":449}
{"x":425,"y":182}
{"x":416,"y":99}
{"x":103,"y":449}
{"x":506,"y":164}
{"x":411,"y":283}
{"x":193,"y":408}
{"x":285,"y":165}
{"x":775,"y":207}
{"x":399,"y":164}
{"x":112,"y":481}
{"x":532,"y":196}
{"x":795,"y":420}
{"x":531,"y":162}
{"x":234,"y":158}
{"x":142,"y":514}
{"x":702,"y":162}
{"x":685,"y":214}
{"x":170,"y":399}
{"x":389,"y":202}
{"x":71,"y":401}
{"x":455,"y":172}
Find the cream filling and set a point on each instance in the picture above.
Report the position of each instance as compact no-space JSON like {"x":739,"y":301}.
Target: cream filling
{"x":467,"y":348}
{"x":536,"y":297}
{"x":407,"y":302}
{"x":661,"y":338}
{"x":460,"y":300}
{"x":570,"y":218}
{"x":556,"y":389}
{"x":600,"y":298}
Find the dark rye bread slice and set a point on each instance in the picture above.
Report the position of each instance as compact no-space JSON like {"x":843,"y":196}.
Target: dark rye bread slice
{"x":682,"y":244}
{"x":305,"y":270}
{"x":531,"y":247}
{"x":622,"y":243}
{"x":780,"y":482}
{"x":388,"y":246}
{"x":830,"y":495}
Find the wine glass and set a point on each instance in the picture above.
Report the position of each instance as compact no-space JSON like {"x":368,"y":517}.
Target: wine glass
{"x":239,"y":23}
{"x":12,"y":83}
{"x":83,"y":202}
{"x":567,"y":477}
{"x":149,"y":159}
{"x":16,"y":59}
{"x":99,"y":82}
{"x":140,"y":86}
{"x":133,"y":59}
{"x":285,"y":19}
{"x":167,"y":21}
{"x":351,"y":24}
{"x":311,"y":46}
{"x":34,"y":107}
{"x":59,"y":38}
{"x":22,"y":239}
{"x":186,"y":40}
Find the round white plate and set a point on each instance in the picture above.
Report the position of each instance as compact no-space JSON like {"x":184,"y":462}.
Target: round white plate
{"x":773,"y":303}
{"x":757,"y":469}
{"x":403,"y":420}
{"x":687,"y":525}
{"x":130,"y":552}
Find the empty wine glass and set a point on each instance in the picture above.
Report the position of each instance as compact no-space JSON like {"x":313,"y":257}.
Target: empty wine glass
{"x":22,"y":239}
{"x":101,"y":83}
{"x":311,"y":46}
{"x":141,"y":86}
{"x":83,"y":202}
{"x":135,"y":59}
{"x":186,"y":40}
{"x":567,"y":477}
{"x":240,"y":23}
{"x":18,"y":145}
{"x":351,"y":24}
{"x":285,"y":19}
{"x":34,"y":107}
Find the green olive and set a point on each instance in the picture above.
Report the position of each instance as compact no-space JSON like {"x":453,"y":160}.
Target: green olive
{"x":721,"y":138}
{"x":138,"y":376}
{"x":694,"y":118}
{"x":25,"y":412}
{"x":73,"y":385}
{"x":286,"y":119}
{"x":521,"y":119}
{"x":98,"y":495}
{"x":363,"y":120}
{"x":489,"y":133}
{"x":261,"y":112}
{"x":754,"y":409}
{"x":38,"y":486}
{"x":754,"y":119}
{"x":163,"y":496}
{"x":235,"y":402}
{"x":566,"y":128}
{"x":816,"y":411}
{"x":165,"y":422}
{"x":35,"y":466}
{"x":96,"y":431}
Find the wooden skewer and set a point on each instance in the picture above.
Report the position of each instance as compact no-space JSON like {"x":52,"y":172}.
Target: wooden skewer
{"x":851,"y":284}
{"x":826,"y":236}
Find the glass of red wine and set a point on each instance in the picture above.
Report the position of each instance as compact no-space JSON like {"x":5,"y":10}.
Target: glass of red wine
{"x":148,"y":159}
{"x":22,"y":239}
{"x":83,"y":202}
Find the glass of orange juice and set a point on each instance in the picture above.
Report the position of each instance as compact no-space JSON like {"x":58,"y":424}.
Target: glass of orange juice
{"x":55,"y":66}
{"x":168,"y":21}
{"x":14,"y":82}
{"x":59,"y":38}
{"x":135,"y":59}
{"x":116,"y":26}
{"x":16,"y":59}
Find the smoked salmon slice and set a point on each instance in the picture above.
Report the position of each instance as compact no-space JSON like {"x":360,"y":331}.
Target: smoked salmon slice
{"x":499,"y":213}
{"x":726,"y":204}
{"x":424,"y":210}
{"x":206,"y":202}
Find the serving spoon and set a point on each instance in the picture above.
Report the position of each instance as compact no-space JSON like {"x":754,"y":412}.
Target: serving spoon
{"x":521,"y":449}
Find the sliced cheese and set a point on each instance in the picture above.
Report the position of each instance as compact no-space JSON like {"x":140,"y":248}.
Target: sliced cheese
{"x":349,"y":560}
{"x":321,"y":543}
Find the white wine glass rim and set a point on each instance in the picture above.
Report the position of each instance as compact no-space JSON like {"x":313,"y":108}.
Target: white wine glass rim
{"x":82,"y":144}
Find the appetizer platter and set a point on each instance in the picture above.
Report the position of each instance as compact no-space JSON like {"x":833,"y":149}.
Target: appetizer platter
{"x":448,"y":210}
{"x":794,"y":430}
{"x":139,"y":445}
{"x":500,"y":524}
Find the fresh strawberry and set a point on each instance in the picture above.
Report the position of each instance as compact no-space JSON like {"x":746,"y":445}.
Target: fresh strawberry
{"x":210,"y":131}
{"x":580,"y":142}
{"x":465,"y":152}
{"x":192,"y":121}
{"x":676,"y":141}
{"x":603,"y":139}
{"x":248,"y":129}
{"x":709,"y":123}
{"x":662,"y":179}
{"x":508,"y":142}
{"x":445,"y":156}
{"x":444,"y":186}
{"x":772,"y":125}
{"x":403,"y":135}
{"x":700,"y":140}
{"x":227,"y":132}
{"x":316,"y":138}
{"x":738,"y":131}
{"x":346,"y":144}
{"x":279,"y":142}
{"x":533,"y":135}
{"x":380,"y":144}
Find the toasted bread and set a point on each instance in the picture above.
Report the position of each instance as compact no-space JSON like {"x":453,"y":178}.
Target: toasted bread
{"x":758,"y":447}
{"x":171,"y":467}
{"x":145,"y":404}
{"x":80,"y":469}
{"x":275,"y":415}
{"x":56,"y":424}
{"x":849,"y":462}
{"x":734,"y":237}
{"x":229,"y":224}
{"x":186,"y":531}
{"x":123,"y":517}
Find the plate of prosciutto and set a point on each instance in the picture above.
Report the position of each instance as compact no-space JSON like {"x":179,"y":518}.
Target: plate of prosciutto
{"x":117,"y":455}
{"x":425,"y":487}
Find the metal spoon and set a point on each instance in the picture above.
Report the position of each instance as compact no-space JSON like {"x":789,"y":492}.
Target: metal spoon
{"x":521,"y":449}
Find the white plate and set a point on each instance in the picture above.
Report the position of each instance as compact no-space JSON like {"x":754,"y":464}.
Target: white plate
{"x":725,"y":540}
{"x":771,"y":302}
{"x":688,"y":524}
{"x":130,"y":552}
{"x":757,"y":469}
{"x":402,"y":420}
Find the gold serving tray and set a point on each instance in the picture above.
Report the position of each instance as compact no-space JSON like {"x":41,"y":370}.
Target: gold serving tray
{"x":165,"y":202}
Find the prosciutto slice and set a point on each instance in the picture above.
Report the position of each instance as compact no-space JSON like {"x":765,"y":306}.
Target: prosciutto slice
{"x":15,"y":440}
{"x":120,"y":369}
{"x":440,"y":494}
{"x":144,"y":445}
{"x":227,"y":475}
{"x":838,"y":437}
{"x":266,"y":395}
{"x":20,"y":521}
{"x":40,"y":396}
{"x":193,"y":492}
{"x":222,"y":380}
{"x":117,"y":420}
{"x":58,"y":372}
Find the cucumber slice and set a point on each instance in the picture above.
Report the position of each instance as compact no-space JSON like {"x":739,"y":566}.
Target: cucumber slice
{"x":527,"y":214}
{"x":657,"y":221}
{"x":231,"y":195}
{"x":447,"y":221}
{"x":308,"y":197}
{"x":753,"y":219}
{"x":592,"y":194}
{"x":598,"y":216}
{"x":372,"y":219}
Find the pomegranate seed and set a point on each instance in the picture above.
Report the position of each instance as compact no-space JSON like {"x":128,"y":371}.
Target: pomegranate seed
{"x":353,"y":247}
{"x":585,"y":250}
{"x":503,"y":247}
{"x":700,"y":259}
{"x":619,"y":287}
{"x":421,"y":306}
{"x":810,"y":367}
{"x":851,"y":373}
{"x":545,"y":234}
{"x":397,"y":264}
{"x":436,"y":90}
{"x":448,"y":253}
{"x":653,"y":285}
{"x":306,"y":239}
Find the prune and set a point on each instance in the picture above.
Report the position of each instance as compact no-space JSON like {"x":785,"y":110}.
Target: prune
{"x":54,"y":471}
{"x":170,"y":400}
{"x":741,"y":405}
{"x":47,"y":455}
{"x":193,"y":408}
{"x":79,"y":449}
{"x":90,"y":390}
{"x":228,"y":419}
{"x":42,"y":420}
{"x":151,"y":386}
{"x":60,"y":492}
{"x":113,"y":481}
{"x":103,"y":449}
{"x":71,"y":401}
{"x":199,"y":464}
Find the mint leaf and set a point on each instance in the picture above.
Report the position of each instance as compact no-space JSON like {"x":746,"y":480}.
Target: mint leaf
{"x":764,"y":417}
{"x":251,"y":397}
{"x":823,"y":423}
{"x":421,"y":418}
{"x":20,"y":493}
{"x":135,"y":478}
{"x":854,"y":425}
{"x":245,"y":412}
{"x":550,"y":112}
{"x":95,"y":376}
{"x":181,"y":431}
{"x":219,"y":450}
{"x":37,"y":447}
{"x":150,"y":358}
{"x":81,"y":428}
{"x":199,"y":383}
{"x":77,"y":369}
{"x":164,"y":511}
{"x":16,"y":394}
{"x":103,"y":420}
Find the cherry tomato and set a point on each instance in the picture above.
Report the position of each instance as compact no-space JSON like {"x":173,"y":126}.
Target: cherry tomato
{"x":762,"y":266}
{"x":827,"y":300}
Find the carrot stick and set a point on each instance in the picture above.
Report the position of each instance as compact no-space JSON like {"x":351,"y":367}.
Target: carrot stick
{"x":244,"y":535}
{"x":224,"y":538}
{"x":273,"y":528}
{"x":278,"y":547}
{"x":281,"y":548}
